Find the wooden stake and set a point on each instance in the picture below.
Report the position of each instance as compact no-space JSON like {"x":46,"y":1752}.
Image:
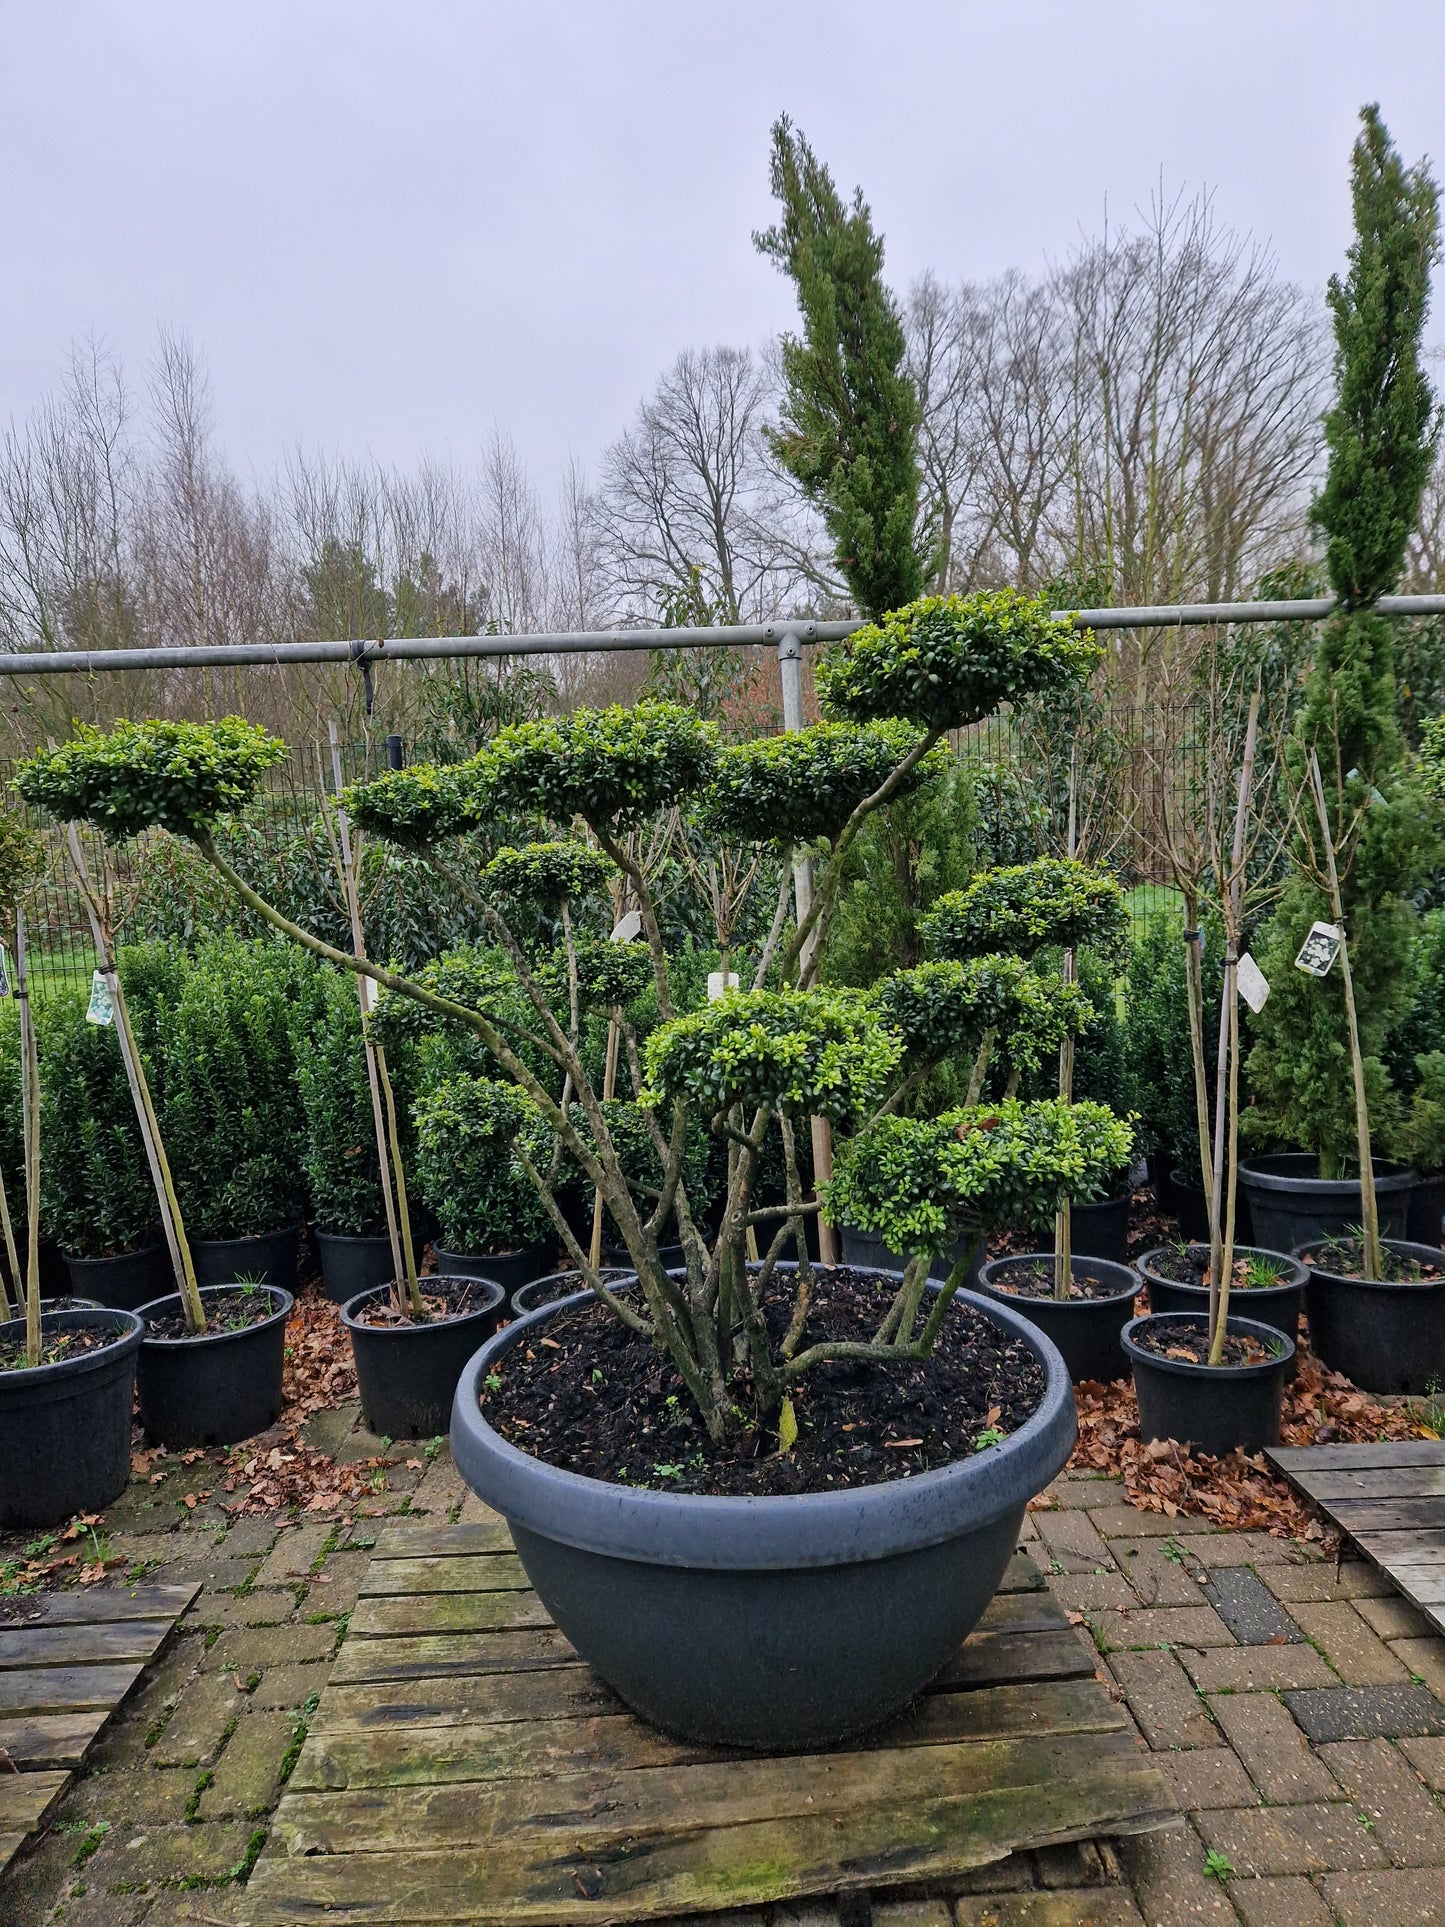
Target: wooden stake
{"x":399,"y":1231}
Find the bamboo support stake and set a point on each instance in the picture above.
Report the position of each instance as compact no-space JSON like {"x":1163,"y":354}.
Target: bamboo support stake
{"x":1225,"y":1078}
{"x":1369,"y":1205}
{"x":402,"y":1261}
{"x":170,"y":1209}
{"x":609,"y":1091}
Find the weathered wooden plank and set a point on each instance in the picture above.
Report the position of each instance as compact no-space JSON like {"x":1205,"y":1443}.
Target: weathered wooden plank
{"x":556,"y":1692}
{"x":26,"y":1798}
{"x":470,"y":1572}
{"x":1022,"y":1575}
{"x":411,"y":1539}
{"x":600,"y":1811}
{"x":81,"y":1645}
{"x":1331,"y":1483}
{"x":444,"y":1655}
{"x":1363,"y":1516}
{"x":938,"y":1830}
{"x":368,"y":1754}
{"x":1023,"y":1612}
{"x":95,"y":1603}
{"x":50,"y":1739}
{"x":448,"y":1612}
{"x":10,"y":1845}
{"x":65,"y":1689}
{"x":1415,"y":1546}
{"x":997,"y":1658}
{"x":1294,"y":1460}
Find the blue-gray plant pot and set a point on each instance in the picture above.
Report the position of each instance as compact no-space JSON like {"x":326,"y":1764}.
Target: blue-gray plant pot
{"x":770,"y":1623}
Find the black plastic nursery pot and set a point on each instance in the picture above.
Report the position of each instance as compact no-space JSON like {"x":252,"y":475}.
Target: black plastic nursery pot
{"x":65,"y":1428}
{"x":1101,"y":1229}
{"x":269,"y":1259}
{"x":1291,"y":1205}
{"x":510,"y":1269}
{"x":869,"y":1253}
{"x":1386,"y":1336}
{"x":129,"y":1279}
{"x":1215,"y":1408}
{"x":1427,"y":1209}
{"x":1086,"y":1330}
{"x":1277,"y":1305}
{"x":1190,"y":1210}
{"x":351,"y":1265}
{"x":217,"y":1387}
{"x":407,"y":1374}
{"x":770,"y":1623}
{"x":560,"y":1284}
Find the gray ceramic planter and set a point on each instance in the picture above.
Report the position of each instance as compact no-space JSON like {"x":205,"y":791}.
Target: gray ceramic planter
{"x":771,"y":1623}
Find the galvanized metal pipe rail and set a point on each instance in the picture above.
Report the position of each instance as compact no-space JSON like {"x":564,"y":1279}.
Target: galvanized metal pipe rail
{"x":1169,"y":615}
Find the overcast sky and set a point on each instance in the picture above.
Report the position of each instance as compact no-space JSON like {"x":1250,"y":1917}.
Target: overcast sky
{"x":390,"y":225}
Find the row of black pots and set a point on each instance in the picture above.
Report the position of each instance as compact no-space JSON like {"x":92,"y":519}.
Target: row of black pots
{"x":65,"y":1427}
{"x":134,"y":1278}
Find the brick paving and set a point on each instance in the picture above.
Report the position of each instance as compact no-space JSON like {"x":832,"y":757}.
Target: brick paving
{"x":1296,"y":1706}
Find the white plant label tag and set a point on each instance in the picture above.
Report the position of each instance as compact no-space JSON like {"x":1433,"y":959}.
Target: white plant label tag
{"x":718,"y":982}
{"x":99,"y":1010}
{"x":4,"y":971}
{"x":629,"y":928}
{"x":1253,"y":984}
{"x":1318,"y":951}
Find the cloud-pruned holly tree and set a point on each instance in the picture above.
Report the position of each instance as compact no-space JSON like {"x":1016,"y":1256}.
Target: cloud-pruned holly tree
{"x":753,"y":1066}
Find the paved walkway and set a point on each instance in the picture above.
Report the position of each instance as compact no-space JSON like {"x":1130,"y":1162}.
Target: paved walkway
{"x":1299,"y":1710}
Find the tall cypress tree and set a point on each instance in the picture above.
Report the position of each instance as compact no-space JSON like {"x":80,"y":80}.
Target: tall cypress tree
{"x":1381,"y":434}
{"x":850,"y":411}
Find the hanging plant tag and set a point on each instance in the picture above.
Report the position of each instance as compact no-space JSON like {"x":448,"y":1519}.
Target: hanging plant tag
{"x":99,"y":1010}
{"x":1253,"y":984}
{"x":4,"y":971}
{"x":719,"y":981}
{"x":1318,"y":951}
{"x":629,"y":928}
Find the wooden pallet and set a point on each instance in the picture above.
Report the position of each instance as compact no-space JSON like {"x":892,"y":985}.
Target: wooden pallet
{"x":1390,"y":1499}
{"x":67,"y":1660}
{"x":465,"y":1765}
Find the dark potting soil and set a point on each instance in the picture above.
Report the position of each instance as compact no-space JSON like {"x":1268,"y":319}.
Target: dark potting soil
{"x":55,"y":1346}
{"x":228,"y":1311}
{"x":1346,"y":1257}
{"x":1037,"y":1281}
{"x":590,"y":1396}
{"x":443,"y":1299}
{"x":1193,"y":1346}
{"x":1191,"y":1267}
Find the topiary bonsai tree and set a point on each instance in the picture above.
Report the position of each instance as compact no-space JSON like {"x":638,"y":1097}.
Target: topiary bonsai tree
{"x":753,"y":1063}
{"x":1054,"y":903}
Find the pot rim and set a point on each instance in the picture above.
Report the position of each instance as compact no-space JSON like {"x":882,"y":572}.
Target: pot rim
{"x":1389,"y":1176}
{"x":113,"y":1257}
{"x":1252,"y":1292}
{"x":129,"y":1333}
{"x":1076,"y":1261}
{"x":280,"y":1314}
{"x":253,"y":1238}
{"x":778,"y":1532}
{"x":1186,"y":1368}
{"x":1374,"y":1284}
{"x":353,"y":1237}
{"x":410,"y":1330}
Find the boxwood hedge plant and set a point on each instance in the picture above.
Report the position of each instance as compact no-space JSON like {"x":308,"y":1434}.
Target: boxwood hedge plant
{"x":751,"y":1066}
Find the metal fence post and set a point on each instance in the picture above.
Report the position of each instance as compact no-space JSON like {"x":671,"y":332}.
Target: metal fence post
{"x":790,"y":672}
